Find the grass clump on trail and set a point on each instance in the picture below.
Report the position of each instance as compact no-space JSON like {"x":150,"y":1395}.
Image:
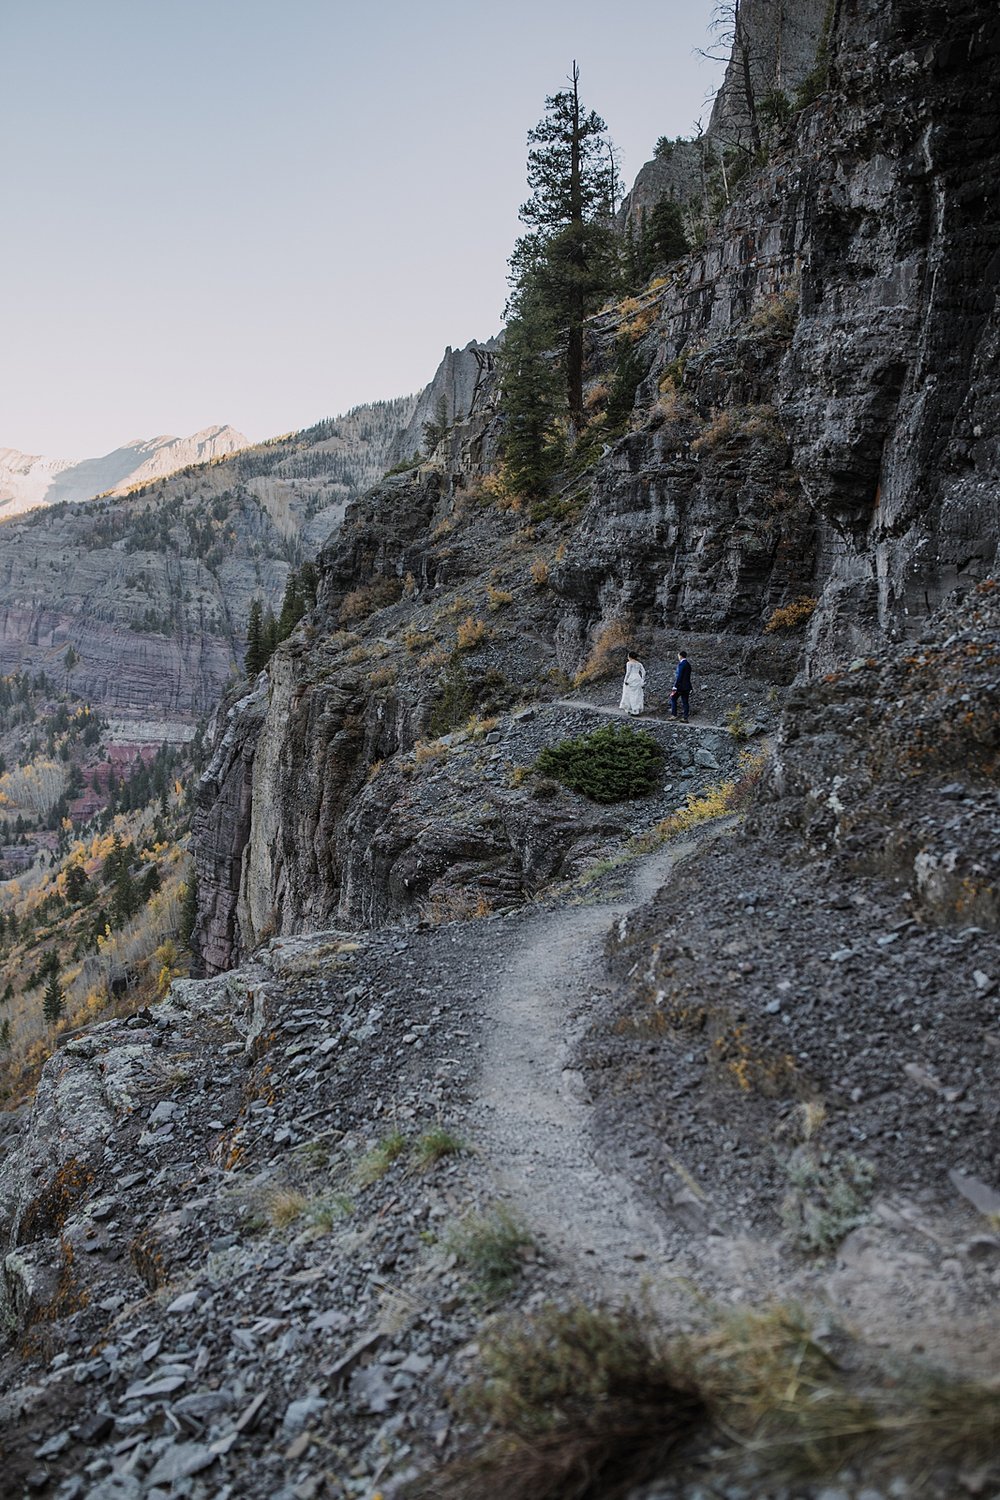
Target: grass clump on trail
{"x":609,"y":765}
{"x":434,"y":1145}
{"x":376,"y":1162}
{"x":491,"y":1247}
{"x":581,"y":1406}
{"x":586,"y":1404}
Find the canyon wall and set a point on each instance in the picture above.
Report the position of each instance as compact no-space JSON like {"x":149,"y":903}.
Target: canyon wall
{"x":815,"y":431}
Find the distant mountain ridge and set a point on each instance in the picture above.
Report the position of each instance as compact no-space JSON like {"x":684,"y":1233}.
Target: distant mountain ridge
{"x":28,"y":480}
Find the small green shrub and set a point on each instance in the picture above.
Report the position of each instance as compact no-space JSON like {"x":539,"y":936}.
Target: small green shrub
{"x":490,"y":1248}
{"x":433,"y":1145}
{"x":609,"y":765}
{"x":828,"y":1197}
{"x":455,"y":700}
{"x":736,"y":722}
{"x":376,"y":1162}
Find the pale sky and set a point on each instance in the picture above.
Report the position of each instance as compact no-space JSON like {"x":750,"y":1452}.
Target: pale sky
{"x":263,"y":213}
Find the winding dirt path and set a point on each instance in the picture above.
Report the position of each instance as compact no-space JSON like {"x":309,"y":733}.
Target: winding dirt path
{"x":644,"y":718}
{"x":535,"y":1122}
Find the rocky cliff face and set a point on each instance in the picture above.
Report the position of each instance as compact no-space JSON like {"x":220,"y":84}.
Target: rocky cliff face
{"x":778,"y":46}
{"x":462,"y":381}
{"x":811,"y":442}
{"x":875,"y":221}
{"x":775,"y":52}
{"x":152,"y":591}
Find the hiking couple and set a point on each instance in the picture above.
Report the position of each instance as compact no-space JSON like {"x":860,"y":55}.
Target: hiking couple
{"x":634,"y":687}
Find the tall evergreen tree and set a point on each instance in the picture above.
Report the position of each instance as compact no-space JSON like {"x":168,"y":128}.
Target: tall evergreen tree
{"x":254,"y":659}
{"x":189,"y":908}
{"x":269,"y":634}
{"x":568,"y":260}
{"x":53,"y":1003}
{"x":292,"y":607}
{"x":126,"y":899}
{"x":532,"y":403}
{"x":559,"y":272}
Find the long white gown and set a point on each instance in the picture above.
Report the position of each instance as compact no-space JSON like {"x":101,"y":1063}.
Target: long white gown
{"x":633,"y":696}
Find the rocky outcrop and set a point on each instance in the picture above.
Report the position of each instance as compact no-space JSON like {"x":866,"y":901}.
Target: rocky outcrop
{"x":462,"y":382}
{"x":889,"y":767}
{"x":775,"y":52}
{"x":222,"y":822}
{"x":778,"y":50}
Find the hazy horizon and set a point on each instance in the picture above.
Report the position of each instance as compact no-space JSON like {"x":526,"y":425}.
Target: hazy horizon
{"x":228,"y":215}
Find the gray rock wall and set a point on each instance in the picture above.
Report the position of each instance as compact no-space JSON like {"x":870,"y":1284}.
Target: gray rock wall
{"x":818,"y":419}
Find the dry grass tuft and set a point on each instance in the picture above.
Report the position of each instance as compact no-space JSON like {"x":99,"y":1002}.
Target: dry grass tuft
{"x":790,"y":616}
{"x":585,"y":1404}
{"x":454,"y":906}
{"x":429,"y":750}
{"x":284,"y":1206}
{"x":582,"y":1408}
{"x":736,"y":424}
{"x":607,"y":654}
{"x":777,"y":316}
{"x":364,"y":601}
{"x":471,"y":633}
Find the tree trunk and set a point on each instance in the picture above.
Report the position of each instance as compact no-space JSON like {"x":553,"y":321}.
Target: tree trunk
{"x":743,"y":47}
{"x":574,"y":348}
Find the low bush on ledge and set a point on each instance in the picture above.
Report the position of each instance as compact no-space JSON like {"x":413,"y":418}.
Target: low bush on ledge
{"x":609,"y":765}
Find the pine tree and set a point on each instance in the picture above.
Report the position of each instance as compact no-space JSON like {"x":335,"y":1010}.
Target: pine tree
{"x":254,"y":659}
{"x":5,"y":1035}
{"x":116,"y":857}
{"x":270,"y":634}
{"x":532,"y":403}
{"x":292,"y":607}
{"x":77,"y":883}
{"x":189,"y":909}
{"x":437,"y":429}
{"x":126,"y":899}
{"x":664,"y":238}
{"x":53,"y":1003}
{"x":559,"y":272}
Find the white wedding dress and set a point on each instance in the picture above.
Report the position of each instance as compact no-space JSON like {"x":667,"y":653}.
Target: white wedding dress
{"x":633,"y":696}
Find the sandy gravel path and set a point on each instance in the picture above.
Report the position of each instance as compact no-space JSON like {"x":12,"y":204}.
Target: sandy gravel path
{"x":534,"y":1117}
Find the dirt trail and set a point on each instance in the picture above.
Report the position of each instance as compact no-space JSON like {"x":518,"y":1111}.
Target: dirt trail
{"x":619,"y":713}
{"x":535,"y":1124}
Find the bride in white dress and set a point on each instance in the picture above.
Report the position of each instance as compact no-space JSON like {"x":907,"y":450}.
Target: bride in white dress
{"x":633,"y":696}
